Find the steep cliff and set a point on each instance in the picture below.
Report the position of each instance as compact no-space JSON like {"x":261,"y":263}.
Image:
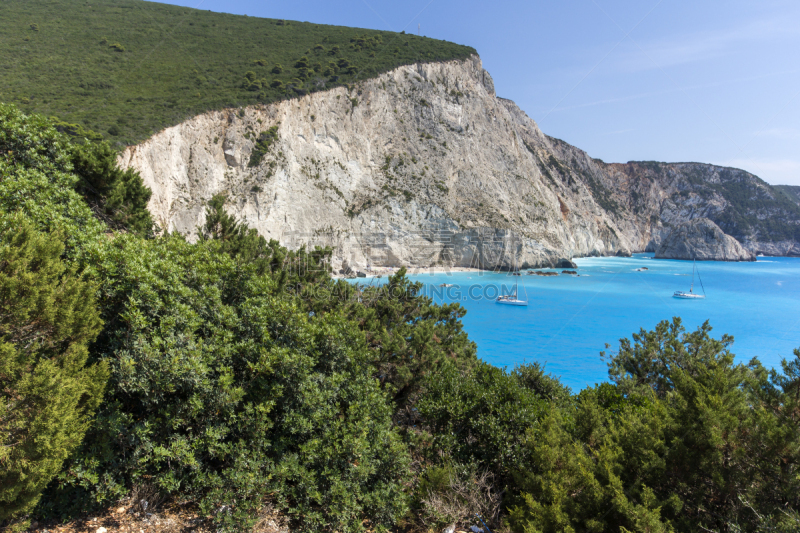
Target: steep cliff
{"x":756,"y":214}
{"x":425,"y":165}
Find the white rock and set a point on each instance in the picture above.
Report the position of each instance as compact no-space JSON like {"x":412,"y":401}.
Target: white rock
{"x":470,"y":178}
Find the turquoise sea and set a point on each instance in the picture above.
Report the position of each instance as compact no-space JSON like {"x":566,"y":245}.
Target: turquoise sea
{"x":569,"y":319}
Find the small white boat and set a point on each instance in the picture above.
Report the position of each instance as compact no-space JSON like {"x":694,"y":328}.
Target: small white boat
{"x":513,"y":298}
{"x":691,"y":295}
{"x":688,"y":295}
{"x":446,"y":285}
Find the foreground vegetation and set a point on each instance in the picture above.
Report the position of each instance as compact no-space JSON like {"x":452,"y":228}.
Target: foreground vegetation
{"x":128,"y":68}
{"x":236,"y":374}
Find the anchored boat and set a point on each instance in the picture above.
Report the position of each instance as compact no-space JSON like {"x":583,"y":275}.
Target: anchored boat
{"x":691,"y":295}
{"x":513,"y":298}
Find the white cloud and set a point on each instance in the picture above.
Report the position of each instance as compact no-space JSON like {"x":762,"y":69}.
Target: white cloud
{"x":701,"y":46}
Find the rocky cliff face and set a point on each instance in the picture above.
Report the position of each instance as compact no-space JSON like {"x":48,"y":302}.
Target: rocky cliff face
{"x":745,"y":207}
{"x":425,"y":165}
{"x":703,"y":240}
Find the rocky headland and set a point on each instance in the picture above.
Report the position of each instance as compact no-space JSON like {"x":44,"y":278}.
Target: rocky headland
{"x":425,"y":165}
{"x":703,"y":240}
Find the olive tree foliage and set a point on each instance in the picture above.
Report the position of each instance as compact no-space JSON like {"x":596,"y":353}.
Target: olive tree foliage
{"x":223,"y":390}
{"x":48,"y":317}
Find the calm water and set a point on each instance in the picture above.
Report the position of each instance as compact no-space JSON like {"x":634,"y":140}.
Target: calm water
{"x":569,"y":319}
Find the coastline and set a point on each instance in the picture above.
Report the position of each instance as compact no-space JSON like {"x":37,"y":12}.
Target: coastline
{"x":411,"y":271}
{"x":380,"y":271}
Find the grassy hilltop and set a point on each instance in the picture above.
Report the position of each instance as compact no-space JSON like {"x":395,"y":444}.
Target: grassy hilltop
{"x":128,"y":68}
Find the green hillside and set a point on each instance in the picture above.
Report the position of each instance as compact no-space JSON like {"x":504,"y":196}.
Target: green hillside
{"x":128,"y":68}
{"x":791,"y":191}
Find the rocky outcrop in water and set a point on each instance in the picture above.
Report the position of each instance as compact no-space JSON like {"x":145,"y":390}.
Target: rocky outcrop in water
{"x":703,"y":240}
{"x":425,"y":165}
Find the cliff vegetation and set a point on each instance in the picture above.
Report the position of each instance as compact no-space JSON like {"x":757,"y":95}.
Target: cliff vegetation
{"x":129,"y":68}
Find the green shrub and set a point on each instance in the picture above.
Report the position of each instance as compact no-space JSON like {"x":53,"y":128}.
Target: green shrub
{"x":117,"y":47}
{"x":683,"y":439}
{"x":47,"y":393}
{"x":48,"y":172}
{"x":224,"y":391}
{"x":120,"y":194}
{"x":263,"y":144}
{"x":37,"y":179}
{"x":76,"y":131}
{"x":567,"y":487}
{"x":480,"y":416}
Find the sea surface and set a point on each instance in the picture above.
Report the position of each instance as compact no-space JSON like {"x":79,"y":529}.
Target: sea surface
{"x":570,"y":319}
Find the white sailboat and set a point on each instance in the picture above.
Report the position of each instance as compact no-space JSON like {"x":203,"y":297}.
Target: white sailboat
{"x":691,"y":295}
{"x":513,"y":298}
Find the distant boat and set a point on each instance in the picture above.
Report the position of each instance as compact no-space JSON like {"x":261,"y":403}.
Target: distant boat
{"x":447,"y":285}
{"x":691,"y":294}
{"x":513,"y":298}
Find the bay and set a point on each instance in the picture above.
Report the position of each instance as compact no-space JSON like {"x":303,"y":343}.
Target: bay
{"x":569,"y":318}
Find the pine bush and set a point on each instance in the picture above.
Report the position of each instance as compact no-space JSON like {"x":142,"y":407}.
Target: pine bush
{"x":48,"y":317}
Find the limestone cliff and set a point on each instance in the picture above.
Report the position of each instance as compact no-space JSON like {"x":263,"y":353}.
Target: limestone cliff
{"x":419,"y":166}
{"x":703,"y":240}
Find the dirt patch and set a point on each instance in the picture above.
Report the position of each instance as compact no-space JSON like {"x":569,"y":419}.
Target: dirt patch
{"x":170,"y":518}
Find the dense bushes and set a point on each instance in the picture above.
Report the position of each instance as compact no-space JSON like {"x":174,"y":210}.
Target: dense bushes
{"x":239,"y":375}
{"x":682,"y":439}
{"x":54,"y":181}
{"x":223,"y":390}
{"x":119,"y":195}
{"x":47,"y":393}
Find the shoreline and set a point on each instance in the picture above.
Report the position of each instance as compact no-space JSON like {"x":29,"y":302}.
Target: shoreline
{"x":410,"y":271}
{"x":379,"y":272}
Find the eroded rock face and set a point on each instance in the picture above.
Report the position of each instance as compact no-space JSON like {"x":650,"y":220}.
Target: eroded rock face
{"x":425,"y":165}
{"x":422,"y":165}
{"x":703,"y":240}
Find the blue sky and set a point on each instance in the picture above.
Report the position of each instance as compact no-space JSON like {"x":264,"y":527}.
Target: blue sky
{"x":670,"y":80}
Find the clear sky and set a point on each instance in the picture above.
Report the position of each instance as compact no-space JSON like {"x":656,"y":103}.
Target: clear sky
{"x":715,"y":81}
